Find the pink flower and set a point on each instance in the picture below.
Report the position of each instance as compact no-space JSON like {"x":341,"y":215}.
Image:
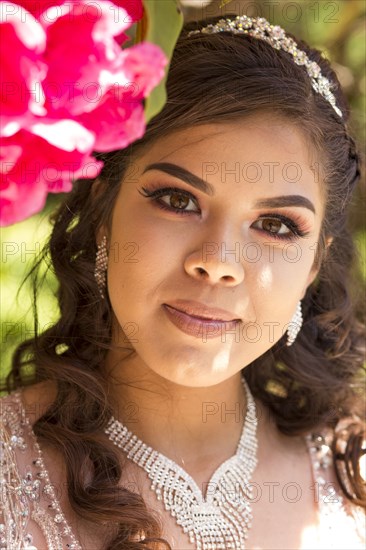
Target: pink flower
{"x":116,"y":122}
{"x":119,"y":118}
{"x":37,"y":7}
{"x":92,"y":53}
{"x":68,"y":89}
{"x":22,"y":71}
{"x":32,"y":166}
{"x":144,"y":66}
{"x":135,"y":11}
{"x":133,"y":8}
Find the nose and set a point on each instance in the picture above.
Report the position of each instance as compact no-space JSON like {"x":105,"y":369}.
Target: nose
{"x":216,"y":263}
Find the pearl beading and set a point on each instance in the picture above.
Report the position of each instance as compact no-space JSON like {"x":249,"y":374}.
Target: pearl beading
{"x":28,"y":489}
{"x":101,"y":264}
{"x":337,"y":518}
{"x":295,"y":325}
{"x":259,"y":27}
{"x":222,"y":519}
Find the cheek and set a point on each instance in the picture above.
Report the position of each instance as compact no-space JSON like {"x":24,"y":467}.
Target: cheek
{"x":277,"y":281}
{"x":142,"y":257}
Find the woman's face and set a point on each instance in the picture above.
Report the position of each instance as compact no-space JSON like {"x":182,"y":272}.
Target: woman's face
{"x":212,"y":244}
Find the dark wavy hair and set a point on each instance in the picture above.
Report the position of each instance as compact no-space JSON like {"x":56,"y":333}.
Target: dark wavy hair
{"x":317,"y":381}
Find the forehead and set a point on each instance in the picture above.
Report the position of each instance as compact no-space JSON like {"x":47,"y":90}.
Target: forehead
{"x":257,"y":149}
{"x":276,"y":137}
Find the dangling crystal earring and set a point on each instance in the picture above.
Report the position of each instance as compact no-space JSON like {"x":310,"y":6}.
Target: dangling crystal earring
{"x":101,"y":262}
{"x":294,"y":326}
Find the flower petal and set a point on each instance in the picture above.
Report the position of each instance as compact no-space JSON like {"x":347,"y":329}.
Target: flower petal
{"x":134,"y":8}
{"x":67,"y":135}
{"x":40,"y":167}
{"x":115,"y":123}
{"x":90,"y":50}
{"x":28,"y":30}
{"x":144,"y":65}
{"x":22,"y":42}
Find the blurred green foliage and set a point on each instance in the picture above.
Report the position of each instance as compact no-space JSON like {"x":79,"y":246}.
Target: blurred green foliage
{"x":161,"y":14}
{"x":337,"y":28}
{"x":20,"y":246}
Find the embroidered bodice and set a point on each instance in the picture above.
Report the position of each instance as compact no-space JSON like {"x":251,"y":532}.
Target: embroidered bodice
{"x":31,"y":508}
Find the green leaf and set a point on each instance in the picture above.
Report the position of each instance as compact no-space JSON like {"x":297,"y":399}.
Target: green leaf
{"x":164,"y":21}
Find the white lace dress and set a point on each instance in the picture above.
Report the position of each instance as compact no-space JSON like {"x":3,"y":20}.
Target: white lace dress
{"x":31,"y":508}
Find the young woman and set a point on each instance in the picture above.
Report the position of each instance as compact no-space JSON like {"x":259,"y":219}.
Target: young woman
{"x":201,"y":388}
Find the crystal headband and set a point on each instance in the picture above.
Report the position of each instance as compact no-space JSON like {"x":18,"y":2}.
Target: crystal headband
{"x":259,"y":27}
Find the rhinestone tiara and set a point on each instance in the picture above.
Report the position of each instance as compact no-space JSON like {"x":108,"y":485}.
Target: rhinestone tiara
{"x":259,"y":27}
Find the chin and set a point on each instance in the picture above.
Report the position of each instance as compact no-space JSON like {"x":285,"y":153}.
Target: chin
{"x":191,"y":368}
{"x":193,"y":380}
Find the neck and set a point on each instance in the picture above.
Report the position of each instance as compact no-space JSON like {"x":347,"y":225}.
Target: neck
{"x":188,"y":425}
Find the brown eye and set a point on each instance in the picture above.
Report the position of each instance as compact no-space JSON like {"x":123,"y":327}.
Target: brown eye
{"x":279,"y":227}
{"x":178,"y":200}
{"x":173,"y":199}
{"x":272,"y":225}
{"x":275,"y":226}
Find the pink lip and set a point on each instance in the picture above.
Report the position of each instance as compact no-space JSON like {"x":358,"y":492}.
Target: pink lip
{"x":200,"y":326}
{"x":197,"y":309}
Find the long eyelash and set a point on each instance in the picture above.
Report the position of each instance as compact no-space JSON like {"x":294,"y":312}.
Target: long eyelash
{"x":295,"y":228}
{"x":155,"y":194}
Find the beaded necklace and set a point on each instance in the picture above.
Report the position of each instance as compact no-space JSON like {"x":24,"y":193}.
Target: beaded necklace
{"x":218,"y":521}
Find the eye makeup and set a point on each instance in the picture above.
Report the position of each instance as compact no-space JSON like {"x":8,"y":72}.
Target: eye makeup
{"x":295,"y":225}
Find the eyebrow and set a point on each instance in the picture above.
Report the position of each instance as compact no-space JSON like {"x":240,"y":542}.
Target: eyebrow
{"x":285,"y":200}
{"x":185,"y":175}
